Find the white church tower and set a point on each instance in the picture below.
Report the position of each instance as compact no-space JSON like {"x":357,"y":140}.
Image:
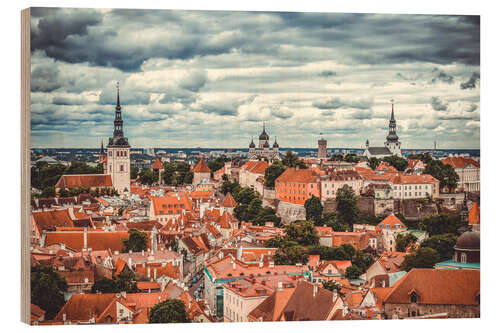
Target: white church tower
{"x":118,"y":149}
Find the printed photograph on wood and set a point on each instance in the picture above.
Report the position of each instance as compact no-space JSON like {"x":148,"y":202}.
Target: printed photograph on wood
{"x":220,"y":166}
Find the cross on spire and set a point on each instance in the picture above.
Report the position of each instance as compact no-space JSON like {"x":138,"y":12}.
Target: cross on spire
{"x":118,"y":107}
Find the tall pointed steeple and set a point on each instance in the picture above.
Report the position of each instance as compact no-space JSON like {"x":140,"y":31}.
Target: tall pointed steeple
{"x":102,"y":147}
{"x":392,"y":136}
{"x":118,"y":138}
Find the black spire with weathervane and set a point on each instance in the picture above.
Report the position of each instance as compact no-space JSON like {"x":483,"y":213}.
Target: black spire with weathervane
{"x":263,"y":136}
{"x":118,"y":140}
{"x":392,"y":136}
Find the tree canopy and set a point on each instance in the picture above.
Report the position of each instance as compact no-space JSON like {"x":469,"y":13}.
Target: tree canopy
{"x":347,"y":205}
{"x":441,"y":224}
{"x":446,"y":175}
{"x":124,"y":282}
{"x":399,"y":163}
{"x":314,"y":210}
{"x":403,"y":240}
{"x":444,"y":244}
{"x":47,"y":289}
{"x":136,"y":242}
{"x":272,"y":172}
{"x":292,"y":160}
{"x":177,"y":173}
{"x":169,"y":311}
{"x":423,"y":257}
{"x":148,"y":177}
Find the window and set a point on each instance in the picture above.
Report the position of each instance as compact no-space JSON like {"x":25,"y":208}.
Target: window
{"x":110,"y":153}
{"x":463,"y":257}
{"x":121,"y":168}
{"x":413,"y":297}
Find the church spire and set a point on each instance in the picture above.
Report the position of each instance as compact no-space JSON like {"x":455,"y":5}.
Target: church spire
{"x":102,"y":147}
{"x":118,"y":107}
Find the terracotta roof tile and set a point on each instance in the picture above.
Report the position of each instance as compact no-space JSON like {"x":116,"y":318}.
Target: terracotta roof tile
{"x":201,"y":167}
{"x":67,"y":181}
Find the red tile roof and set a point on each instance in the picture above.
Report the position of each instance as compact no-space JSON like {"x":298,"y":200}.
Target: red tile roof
{"x":229,"y":201}
{"x":460,"y":162}
{"x":201,"y":167}
{"x":298,"y":176}
{"x":437,"y":286}
{"x":52,"y":219}
{"x":474,"y":214}
{"x":162,"y":205}
{"x":67,"y":181}
{"x":157,"y":165}
{"x":96,"y":240}
{"x":391,"y":221}
{"x":414,"y":179}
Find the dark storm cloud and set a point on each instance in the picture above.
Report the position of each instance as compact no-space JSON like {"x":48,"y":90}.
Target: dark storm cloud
{"x":65,"y":100}
{"x":78,"y":36}
{"x":178,"y":96}
{"x":45,"y":78}
{"x":471,"y":108}
{"x":361,"y":114}
{"x":127,"y":96}
{"x":337,"y":103}
{"x":438,"y":104}
{"x":471,"y":83}
{"x":225,"y":107}
{"x":327,"y":73}
{"x":440,"y":75}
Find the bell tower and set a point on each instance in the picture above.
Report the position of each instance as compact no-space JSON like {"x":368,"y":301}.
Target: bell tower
{"x":392,"y":140}
{"x":118,"y":164}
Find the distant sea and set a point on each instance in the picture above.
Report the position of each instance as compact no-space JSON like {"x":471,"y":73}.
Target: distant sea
{"x":300,"y":151}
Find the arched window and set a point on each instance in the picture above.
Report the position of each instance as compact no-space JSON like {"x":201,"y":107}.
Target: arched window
{"x":463,"y":257}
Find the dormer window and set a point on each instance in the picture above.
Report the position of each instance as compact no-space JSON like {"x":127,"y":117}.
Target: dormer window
{"x":413,"y":297}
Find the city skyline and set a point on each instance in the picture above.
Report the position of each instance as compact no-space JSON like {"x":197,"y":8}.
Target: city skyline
{"x":200,"y":79}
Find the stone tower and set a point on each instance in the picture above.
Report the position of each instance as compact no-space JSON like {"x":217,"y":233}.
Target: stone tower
{"x":322,"y":148}
{"x":118,"y":165}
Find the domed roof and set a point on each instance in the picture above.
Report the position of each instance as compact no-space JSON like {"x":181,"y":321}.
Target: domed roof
{"x":275,"y":145}
{"x":468,"y":240}
{"x":263,"y":135}
{"x":392,"y":137}
{"x":266,"y":144}
{"x":252,"y":145}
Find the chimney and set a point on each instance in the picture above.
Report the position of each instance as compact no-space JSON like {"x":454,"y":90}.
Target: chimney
{"x":234,"y":266}
{"x":335,"y":295}
{"x":261,"y":264}
{"x":149,"y":272}
{"x":64,"y":317}
{"x":142,"y":252}
{"x":315,"y":290}
{"x":63,"y":246}
{"x":239,"y":252}
{"x":154,"y":273}
{"x":123,"y":294}
{"x":271,"y":264}
{"x":129,"y":262}
{"x":280,"y":286}
{"x":85,"y":237}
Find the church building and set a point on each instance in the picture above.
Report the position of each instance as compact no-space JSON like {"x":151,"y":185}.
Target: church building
{"x":392,"y":145}
{"x":117,"y":161}
{"x":264,"y":150}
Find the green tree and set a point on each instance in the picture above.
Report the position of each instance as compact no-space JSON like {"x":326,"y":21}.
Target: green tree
{"x":148,"y":177}
{"x":332,"y":285}
{"x":362,"y":260}
{"x":353,"y":272}
{"x":47,"y":289}
{"x":352,"y":158}
{"x":446,"y":175}
{"x":314,"y":210}
{"x":303,"y":232}
{"x":441,"y":224}
{"x":290,"y":255}
{"x":105,"y":286}
{"x":254,"y":208}
{"x":48,"y":192}
{"x":373,"y":162}
{"x":273,"y":172}
{"x":331,"y":220}
{"x":399,"y":163}
{"x":426,"y":158}
{"x":424,"y":257}
{"x":444,"y":244}
{"x":169,"y":311}
{"x":403,"y":240}
{"x":347,"y":205}
{"x":134,"y":172}
{"x":292,"y":160}
{"x":136,"y":242}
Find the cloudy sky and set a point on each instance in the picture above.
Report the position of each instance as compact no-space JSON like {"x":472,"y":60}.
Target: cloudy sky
{"x":209,"y":79}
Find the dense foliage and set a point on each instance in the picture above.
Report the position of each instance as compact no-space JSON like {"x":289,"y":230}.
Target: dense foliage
{"x":347,"y":205}
{"x":124,"y":282}
{"x":169,"y":311}
{"x":272,"y":172}
{"x":136,"y":242}
{"x":47,"y":290}
{"x":441,"y":224}
{"x":444,"y":244}
{"x":446,"y":175}
{"x":292,"y":160}
{"x":177,"y":173}
{"x":314,"y":210}
{"x":148,"y":177}
{"x":423,"y":257}
{"x":403,"y":240}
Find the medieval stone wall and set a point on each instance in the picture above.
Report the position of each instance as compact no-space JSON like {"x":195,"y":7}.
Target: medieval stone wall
{"x":290,"y":212}
{"x":408,"y":310}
